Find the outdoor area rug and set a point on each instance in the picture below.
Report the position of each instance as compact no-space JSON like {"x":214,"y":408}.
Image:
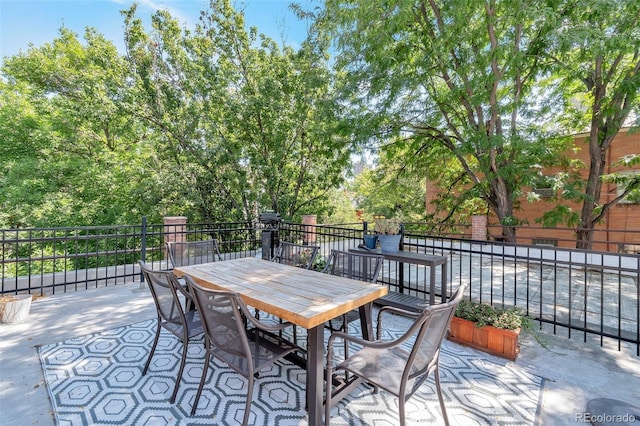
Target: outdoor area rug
{"x":97,"y":379}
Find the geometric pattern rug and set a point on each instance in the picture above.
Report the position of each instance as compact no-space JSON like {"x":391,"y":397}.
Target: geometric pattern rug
{"x":97,"y":380}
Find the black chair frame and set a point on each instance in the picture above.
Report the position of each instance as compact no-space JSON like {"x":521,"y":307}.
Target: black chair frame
{"x":184,"y":253}
{"x":225,"y":317}
{"x":171,"y":315}
{"x":389,"y":366}
{"x":299,"y":255}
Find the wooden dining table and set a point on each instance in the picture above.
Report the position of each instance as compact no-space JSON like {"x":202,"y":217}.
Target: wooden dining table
{"x":304,"y":297}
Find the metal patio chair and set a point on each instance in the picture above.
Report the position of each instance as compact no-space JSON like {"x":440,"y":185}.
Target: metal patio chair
{"x":357,"y":266}
{"x":193,"y":252}
{"x":299,"y":255}
{"x":169,"y":296}
{"x":247,"y":351}
{"x":398,"y":366}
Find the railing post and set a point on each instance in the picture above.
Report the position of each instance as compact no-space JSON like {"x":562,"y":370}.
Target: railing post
{"x":479,"y":227}
{"x":143,"y":251}
{"x":143,"y":247}
{"x":175,"y":230}
{"x":267,"y":243}
{"x":309,"y":229}
{"x":143,"y":242}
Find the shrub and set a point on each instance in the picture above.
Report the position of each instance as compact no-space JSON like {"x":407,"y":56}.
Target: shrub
{"x":483,"y":314}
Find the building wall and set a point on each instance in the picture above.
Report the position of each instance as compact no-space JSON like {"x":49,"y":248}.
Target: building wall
{"x":622,"y":222}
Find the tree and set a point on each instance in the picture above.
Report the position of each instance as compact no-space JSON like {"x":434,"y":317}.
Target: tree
{"x":244,"y":125}
{"x":388,"y":191}
{"x":597,"y":59}
{"x":457,"y":75}
{"x":70,"y":146}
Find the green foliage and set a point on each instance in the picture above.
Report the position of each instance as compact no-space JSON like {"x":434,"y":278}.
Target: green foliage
{"x":319,"y":263}
{"x":629,"y":182}
{"x":596,"y":64}
{"x":456,"y":79}
{"x":389,"y":190}
{"x":67,"y":139}
{"x":252,"y":125}
{"x":559,"y":215}
{"x":220,"y":122}
{"x":339,"y":208}
{"x":217,"y":123}
{"x":484,"y":314}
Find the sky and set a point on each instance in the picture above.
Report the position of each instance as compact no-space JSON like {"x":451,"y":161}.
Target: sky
{"x":25,"y":22}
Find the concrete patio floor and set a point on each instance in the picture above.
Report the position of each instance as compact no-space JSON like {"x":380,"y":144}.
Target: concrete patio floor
{"x":575,"y":371}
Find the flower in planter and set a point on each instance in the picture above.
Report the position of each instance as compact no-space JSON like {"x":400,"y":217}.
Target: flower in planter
{"x":387,"y":226}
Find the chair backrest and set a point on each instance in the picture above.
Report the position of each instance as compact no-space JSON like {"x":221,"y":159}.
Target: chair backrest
{"x":193,"y":252}
{"x":222,"y":320}
{"x":163,"y":286}
{"x":357,"y":266}
{"x":293,"y":254}
{"x":432,"y":325}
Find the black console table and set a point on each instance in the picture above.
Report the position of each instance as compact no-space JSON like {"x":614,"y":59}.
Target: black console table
{"x":402,"y":257}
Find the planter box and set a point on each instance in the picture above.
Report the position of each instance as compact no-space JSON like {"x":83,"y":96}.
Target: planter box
{"x":496,"y":341}
{"x":16,"y":309}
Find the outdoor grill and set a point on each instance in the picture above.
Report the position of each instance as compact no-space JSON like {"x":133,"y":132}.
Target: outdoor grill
{"x":270,"y":219}
{"x":270,"y":238}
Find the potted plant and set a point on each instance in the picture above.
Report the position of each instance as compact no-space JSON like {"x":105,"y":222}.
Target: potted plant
{"x":388,"y":233}
{"x":370,"y":240}
{"x":489,"y":329}
{"x":14,"y":308}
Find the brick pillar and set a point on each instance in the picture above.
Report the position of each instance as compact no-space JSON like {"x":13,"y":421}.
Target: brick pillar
{"x":479,"y":228}
{"x":175,"y":229}
{"x":309,"y":228}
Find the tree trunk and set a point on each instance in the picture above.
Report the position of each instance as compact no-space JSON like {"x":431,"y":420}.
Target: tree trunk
{"x":585,"y":233}
{"x":503,"y":206}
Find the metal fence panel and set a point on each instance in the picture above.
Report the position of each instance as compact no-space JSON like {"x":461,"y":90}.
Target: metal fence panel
{"x":575,"y":291}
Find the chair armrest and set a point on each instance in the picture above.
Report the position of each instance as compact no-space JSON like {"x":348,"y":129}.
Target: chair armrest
{"x":399,"y":311}
{"x":393,"y":310}
{"x":379,"y":344}
{"x":183,"y":289}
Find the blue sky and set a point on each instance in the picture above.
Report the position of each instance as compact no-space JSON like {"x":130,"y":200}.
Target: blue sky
{"x":37,"y":21}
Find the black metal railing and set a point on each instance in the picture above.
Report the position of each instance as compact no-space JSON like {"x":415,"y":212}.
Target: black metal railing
{"x":51,"y":260}
{"x":574,"y":291}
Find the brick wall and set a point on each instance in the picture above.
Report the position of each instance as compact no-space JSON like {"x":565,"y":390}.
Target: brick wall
{"x":619,"y":218}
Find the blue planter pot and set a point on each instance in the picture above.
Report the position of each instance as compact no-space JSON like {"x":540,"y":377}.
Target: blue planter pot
{"x":370,"y":241}
{"x":389,"y":243}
